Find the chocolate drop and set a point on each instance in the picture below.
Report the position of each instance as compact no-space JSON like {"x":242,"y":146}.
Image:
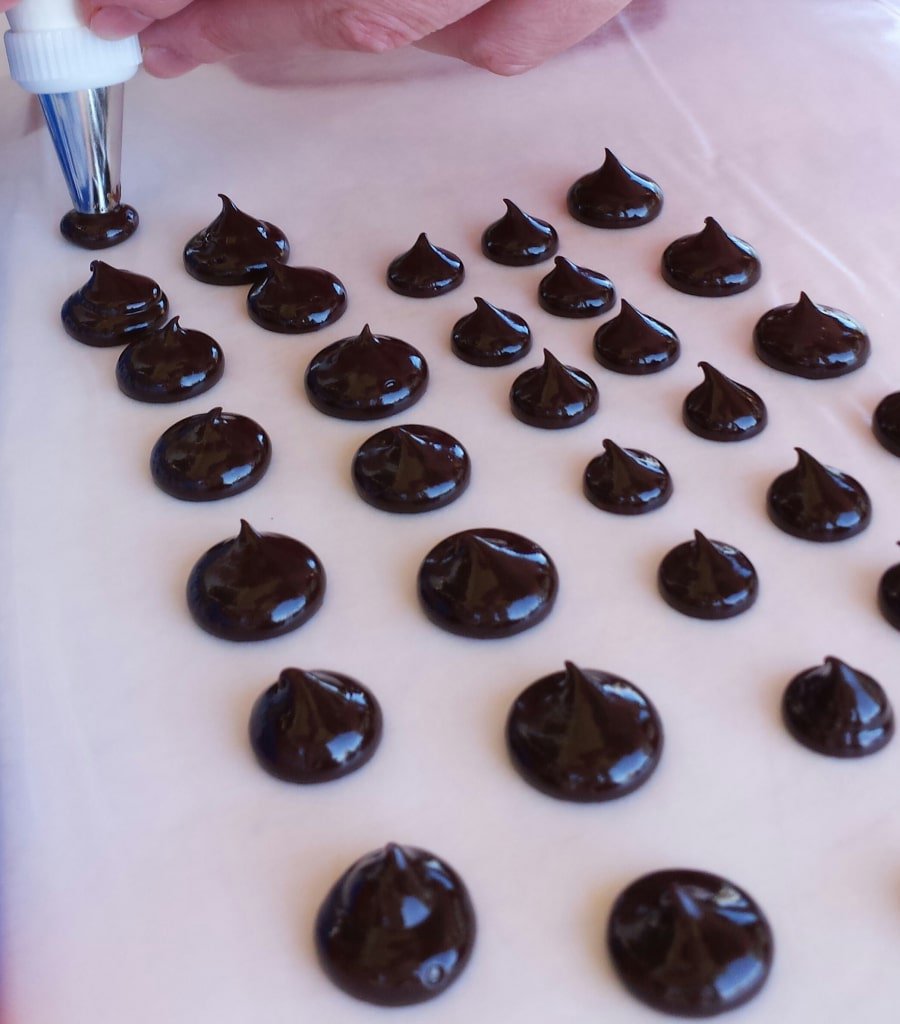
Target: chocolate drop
{"x":584,"y":735}
{"x":889,"y":595}
{"x":114,"y":307}
{"x":707,"y":579}
{"x":886,"y":423}
{"x":712,"y":263}
{"x":575,"y":292}
{"x":487,"y":584}
{"x":490,"y":336}
{"x":235,"y":248}
{"x":818,"y":503}
{"x":837,"y":710}
{"x":518,"y":239}
{"x":689,"y":943}
{"x":809,"y":340}
{"x":100,"y":230}
{"x":210,"y":456}
{"x":635,"y":343}
{"x":553,"y":396}
{"x":410,"y":469}
{"x":615,"y":197}
{"x":720,"y":409}
{"x":397,"y":928}
{"x":425,"y":271}
{"x":255,"y":586}
{"x":315,"y":726}
{"x":366,"y":377}
{"x":170,"y":365}
{"x":626,"y":481}
{"x":296,"y":300}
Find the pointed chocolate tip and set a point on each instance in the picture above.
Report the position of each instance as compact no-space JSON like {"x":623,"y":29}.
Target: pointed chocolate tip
{"x":614,"y":450}
{"x":836,"y":665}
{"x":481,"y":303}
{"x":214,"y":414}
{"x":395,"y":856}
{"x":422,"y":241}
{"x":365,"y":334}
{"x":247,"y":534}
{"x":227,"y":204}
{"x":511,"y":207}
{"x":702,"y":539}
{"x":550,"y":359}
{"x":682,"y":901}
{"x":561,"y":261}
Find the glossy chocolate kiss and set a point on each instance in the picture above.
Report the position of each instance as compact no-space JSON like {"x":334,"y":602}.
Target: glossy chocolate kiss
{"x":366,"y":377}
{"x":889,"y":595}
{"x":487,"y":584}
{"x":553,"y":396}
{"x":397,"y":928}
{"x":635,"y":343}
{"x":575,"y":292}
{"x":518,"y":239}
{"x":816,"y":502}
{"x":886,"y":423}
{"x":296,"y":300}
{"x":490,"y":336}
{"x":838,"y":711}
{"x":689,"y":943}
{"x":210,"y":456}
{"x":255,"y":586}
{"x":425,"y":271}
{"x":720,"y":409}
{"x":626,"y":481}
{"x":584,"y":735}
{"x":809,"y":340}
{"x":235,"y":248}
{"x":615,"y":197}
{"x":114,"y":307}
{"x":712,"y":263}
{"x":314,"y":727}
{"x":707,"y":579}
{"x":170,"y":365}
{"x":100,"y":230}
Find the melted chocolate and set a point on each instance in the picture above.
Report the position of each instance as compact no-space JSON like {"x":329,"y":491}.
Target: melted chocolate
{"x":837,"y":710}
{"x":886,"y":423}
{"x":490,"y":336}
{"x":575,"y":292}
{"x":720,"y":409}
{"x":584,"y":735}
{"x":366,"y":377}
{"x":635,"y":343}
{"x":410,"y":469}
{"x":553,"y":396}
{"x":114,"y":307}
{"x":615,"y":197}
{"x":100,"y":230}
{"x":712,"y":263}
{"x":707,"y":579}
{"x":809,"y":340}
{"x":518,"y":239}
{"x":689,"y":943}
{"x":314,"y":726}
{"x":889,"y":595}
{"x":296,"y":300}
{"x":210,"y":456}
{"x":235,"y":248}
{"x":397,"y":927}
{"x":816,"y":502}
{"x":170,"y":365}
{"x":487,"y":584}
{"x":255,"y":586}
{"x":425,"y":271}
{"x":626,"y":481}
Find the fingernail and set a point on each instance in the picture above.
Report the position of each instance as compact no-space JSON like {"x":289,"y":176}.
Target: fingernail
{"x":164,"y":63}
{"x":118,"y":22}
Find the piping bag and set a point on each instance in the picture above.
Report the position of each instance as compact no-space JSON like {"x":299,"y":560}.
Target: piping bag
{"x":79,"y":80}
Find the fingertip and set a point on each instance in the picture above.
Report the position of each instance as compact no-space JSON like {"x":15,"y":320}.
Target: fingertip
{"x":117,"y":22}
{"x":161,"y":62}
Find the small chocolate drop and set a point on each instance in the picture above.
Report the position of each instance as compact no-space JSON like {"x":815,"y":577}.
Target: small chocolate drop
{"x":626,"y":481}
{"x":575,"y":292}
{"x":837,"y":710}
{"x":711,"y":263}
{"x":235,"y":248}
{"x":809,"y":340}
{"x":490,"y":336}
{"x":615,"y":197}
{"x":397,"y":928}
{"x":255,"y":586}
{"x":487,"y":584}
{"x":818,"y":503}
{"x":114,"y":307}
{"x":296,"y":300}
{"x":720,"y":409}
{"x":886,"y":423}
{"x":518,"y":239}
{"x":553,"y":396}
{"x":635,"y":343}
{"x":584,"y":735}
{"x":100,"y":230}
{"x":425,"y":271}
{"x":170,"y":365}
{"x":889,"y":595}
{"x":366,"y":377}
{"x":707,"y":579}
{"x":312,"y":727}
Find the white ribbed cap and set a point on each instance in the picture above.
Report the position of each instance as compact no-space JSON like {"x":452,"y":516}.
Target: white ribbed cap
{"x":69,"y":59}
